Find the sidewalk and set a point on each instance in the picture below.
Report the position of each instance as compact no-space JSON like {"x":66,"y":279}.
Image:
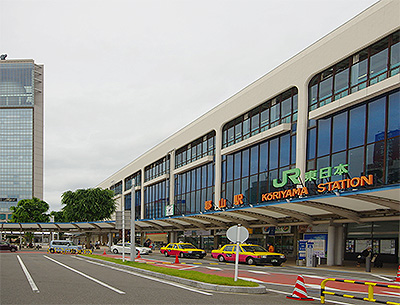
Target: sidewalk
{"x":351,"y":266}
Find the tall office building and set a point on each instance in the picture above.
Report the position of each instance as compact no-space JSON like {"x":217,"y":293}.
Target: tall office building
{"x":21,"y":133}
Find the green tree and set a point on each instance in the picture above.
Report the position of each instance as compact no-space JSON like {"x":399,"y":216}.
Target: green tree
{"x":30,"y":210}
{"x":88,"y":204}
{"x":58,"y":216}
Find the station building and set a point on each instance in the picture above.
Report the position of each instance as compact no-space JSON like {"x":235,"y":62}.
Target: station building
{"x":308,"y":151}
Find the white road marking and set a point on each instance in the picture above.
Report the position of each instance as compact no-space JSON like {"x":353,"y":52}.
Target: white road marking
{"x":260,"y":272}
{"x":382,"y":277}
{"x":314,"y":276}
{"x":87,"y":276}
{"x":148,"y":277}
{"x":250,"y":279}
{"x":214,"y":268}
{"x":28,"y":276}
{"x":191,"y":267}
{"x":391,"y":292}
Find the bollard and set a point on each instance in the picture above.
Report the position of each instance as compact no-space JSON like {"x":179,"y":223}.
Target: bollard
{"x":368,"y":263}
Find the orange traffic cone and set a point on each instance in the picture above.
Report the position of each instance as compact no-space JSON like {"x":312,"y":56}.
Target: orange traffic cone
{"x":138,"y":256}
{"x":176,"y":259}
{"x":104,"y":253}
{"x":398,"y":275}
{"x":300,"y":291}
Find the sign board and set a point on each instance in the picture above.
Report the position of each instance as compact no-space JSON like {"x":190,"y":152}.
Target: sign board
{"x":309,"y":253}
{"x":302,"y":249}
{"x":237,"y":232}
{"x":169,"y":210}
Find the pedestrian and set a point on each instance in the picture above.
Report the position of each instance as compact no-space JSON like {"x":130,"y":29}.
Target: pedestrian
{"x":364,"y":254}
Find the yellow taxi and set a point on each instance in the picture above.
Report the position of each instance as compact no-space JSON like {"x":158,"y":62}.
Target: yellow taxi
{"x":248,"y":253}
{"x":182,"y":250}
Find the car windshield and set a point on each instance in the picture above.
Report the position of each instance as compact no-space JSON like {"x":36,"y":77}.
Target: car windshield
{"x":188,"y":246}
{"x":254,"y":248}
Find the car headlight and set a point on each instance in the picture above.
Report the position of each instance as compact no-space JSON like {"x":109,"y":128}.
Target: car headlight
{"x":282,"y":256}
{"x":263,"y":256}
{"x":190,"y":251}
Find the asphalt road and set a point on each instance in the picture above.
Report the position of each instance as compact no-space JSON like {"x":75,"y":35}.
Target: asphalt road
{"x":80,"y":282}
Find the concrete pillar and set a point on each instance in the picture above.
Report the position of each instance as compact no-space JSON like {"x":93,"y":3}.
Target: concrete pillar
{"x":331,"y":245}
{"x":217,"y":166}
{"x":173,"y":236}
{"x":301,"y":133}
{"x":172,"y":177}
{"x":339,"y":246}
{"x":142,"y":194}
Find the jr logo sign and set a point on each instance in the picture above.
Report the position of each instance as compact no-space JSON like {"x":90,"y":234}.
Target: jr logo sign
{"x":292,"y":174}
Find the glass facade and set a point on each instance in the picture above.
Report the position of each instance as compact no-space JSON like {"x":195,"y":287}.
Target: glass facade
{"x":156,"y":197}
{"x":280,"y":109}
{"x":365,"y":136}
{"x":365,"y":68}
{"x":193,"y":188}
{"x":156,"y":169}
{"x":138,"y":180}
{"x":250,"y":172}
{"x":128,"y":203}
{"x":195,"y":150}
{"x":16,"y":134}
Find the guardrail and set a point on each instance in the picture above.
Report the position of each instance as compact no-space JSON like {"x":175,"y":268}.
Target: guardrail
{"x":370,"y":297}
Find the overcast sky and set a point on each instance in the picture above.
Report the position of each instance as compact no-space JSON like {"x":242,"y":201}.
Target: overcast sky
{"x":121,"y":76}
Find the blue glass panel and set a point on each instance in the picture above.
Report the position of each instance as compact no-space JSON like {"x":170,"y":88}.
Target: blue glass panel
{"x":341,"y":80}
{"x":253,"y":189}
{"x":376,"y":120}
{"x":394,"y":114}
{"x":378,"y":63}
{"x":236,"y":187}
{"x":339,"y":158}
{"x":254,"y":160}
{"x":245,"y":187}
{"x":273,"y":154}
{"x":339,"y":133}
{"x":285,"y":150}
{"x":264,"y":157}
{"x":325,"y":88}
{"x":204,"y":176}
{"x":356,"y":162}
{"x":293,"y":156}
{"x":245,"y":162}
{"x":357,"y":126}
{"x":393,"y":161}
{"x":237,"y":164}
{"x":374,"y":161}
{"x":311,"y":143}
{"x":324,"y":137}
{"x":210,"y":178}
{"x":262,"y":185}
{"x":229,"y":167}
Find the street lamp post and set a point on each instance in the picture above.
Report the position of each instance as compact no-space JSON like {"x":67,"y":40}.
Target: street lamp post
{"x":133,"y":233}
{"x":123,"y":229}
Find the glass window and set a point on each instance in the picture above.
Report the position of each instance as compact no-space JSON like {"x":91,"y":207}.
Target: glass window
{"x":311,"y":143}
{"x":356,"y":161}
{"x":237,"y":160}
{"x":238,"y":132}
{"x":359,"y":72}
{"x":264,"y":119}
{"x":394,"y":115}
{"x":356,"y":126}
{"x":245,"y":162}
{"x":246,"y":127}
{"x":284,"y":150}
{"x":393,"y":160}
{"x":341,"y":80}
{"x":229,"y":167}
{"x":325,"y":88}
{"x":264,"y":157}
{"x":254,"y":160}
{"x":339,"y":134}
{"x":255,"y":124}
{"x":324,"y":137}
{"x":275,"y":113}
{"x":378,"y":63}
{"x":273,"y":154}
{"x":376,"y":120}
{"x":395,"y":56}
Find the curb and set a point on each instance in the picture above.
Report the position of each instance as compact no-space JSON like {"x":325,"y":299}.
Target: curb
{"x":206,"y":286}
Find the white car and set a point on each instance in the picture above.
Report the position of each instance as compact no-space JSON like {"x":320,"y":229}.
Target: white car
{"x":146,"y":248}
{"x":118,"y":249}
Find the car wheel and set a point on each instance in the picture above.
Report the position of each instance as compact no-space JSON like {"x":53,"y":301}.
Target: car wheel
{"x":166,"y":254}
{"x":181,"y":254}
{"x":73,"y":251}
{"x":115,"y":251}
{"x":250,"y":260}
{"x":13,"y":250}
{"x":52,"y":250}
{"x":221,"y":258}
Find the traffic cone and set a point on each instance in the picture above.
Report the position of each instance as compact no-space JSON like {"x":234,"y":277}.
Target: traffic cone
{"x":398,"y":275}
{"x":176,"y":259}
{"x":104,"y":253}
{"x":138,"y":256}
{"x":300,"y":291}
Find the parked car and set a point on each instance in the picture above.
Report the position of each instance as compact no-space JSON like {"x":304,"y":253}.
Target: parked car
{"x":7,"y":246}
{"x":146,"y":248}
{"x":182,"y":250}
{"x":64,"y":246}
{"x":248,"y":253}
{"x":118,"y":249}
